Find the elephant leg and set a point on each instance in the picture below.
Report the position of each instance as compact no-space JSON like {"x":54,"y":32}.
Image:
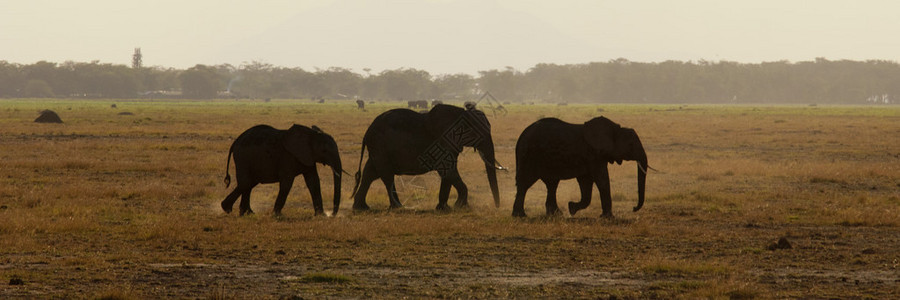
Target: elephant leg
{"x":587,"y":188}
{"x":552,"y":207}
{"x":315,"y":190}
{"x":462,"y":193}
{"x":366,"y":179}
{"x":284,"y":187}
{"x":522,"y":186}
{"x":245,"y":200}
{"x":228,"y":203}
{"x":388,"y":181}
{"x":385,"y":172}
{"x":602,"y":181}
{"x":443,"y":195}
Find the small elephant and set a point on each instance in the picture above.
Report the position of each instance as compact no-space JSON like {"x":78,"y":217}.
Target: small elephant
{"x":552,"y":150}
{"x":263,"y":154}
{"x":404,"y":142}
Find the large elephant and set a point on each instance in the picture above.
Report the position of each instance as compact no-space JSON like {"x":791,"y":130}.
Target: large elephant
{"x":552,"y":150}
{"x":263,"y":154}
{"x":404,"y":142}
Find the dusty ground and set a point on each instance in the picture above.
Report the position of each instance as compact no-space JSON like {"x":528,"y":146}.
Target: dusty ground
{"x":120,"y":206}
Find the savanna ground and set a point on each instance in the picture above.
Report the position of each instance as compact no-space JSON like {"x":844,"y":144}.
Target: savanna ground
{"x":127,"y":206}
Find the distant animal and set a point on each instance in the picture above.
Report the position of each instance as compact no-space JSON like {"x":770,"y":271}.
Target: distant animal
{"x":417,"y":104}
{"x":405,"y":142}
{"x":360,"y":105}
{"x":113,"y":106}
{"x":436,"y":102}
{"x":263,"y":154}
{"x":48,"y":116}
{"x":551,"y":150}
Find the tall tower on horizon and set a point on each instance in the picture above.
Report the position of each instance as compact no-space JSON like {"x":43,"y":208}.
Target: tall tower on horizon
{"x":136,"y":59}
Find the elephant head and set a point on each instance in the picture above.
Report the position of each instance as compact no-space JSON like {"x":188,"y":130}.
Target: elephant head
{"x":454,"y":128}
{"x":310,"y":146}
{"x":613,"y":144}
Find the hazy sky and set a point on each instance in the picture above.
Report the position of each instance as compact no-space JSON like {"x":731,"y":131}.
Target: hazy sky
{"x":444,"y":36}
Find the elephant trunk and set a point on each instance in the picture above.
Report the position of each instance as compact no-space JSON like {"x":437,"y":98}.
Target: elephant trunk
{"x":336,"y":169}
{"x":492,"y":180}
{"x":642,"y":180}
{"x":490,"y":163}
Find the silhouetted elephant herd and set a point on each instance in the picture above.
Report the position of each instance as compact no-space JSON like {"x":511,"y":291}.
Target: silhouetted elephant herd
{"x":405,"y":142}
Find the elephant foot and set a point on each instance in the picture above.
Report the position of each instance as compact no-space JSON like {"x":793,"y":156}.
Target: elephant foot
{"x":573,"y":208}
{"x":360,"y":207}
{"x":443,"y":207}
{"x":396,"y":205}
{"x":319,"y":212}
{"x":226,"y":208}
{"x":607,"y":215}
{"x":519,"y":213}
{"x":553,"y":210}
{"x":247,"y":212}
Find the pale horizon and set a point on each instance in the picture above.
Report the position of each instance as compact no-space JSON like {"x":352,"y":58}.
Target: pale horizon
{"x":444,"y":36}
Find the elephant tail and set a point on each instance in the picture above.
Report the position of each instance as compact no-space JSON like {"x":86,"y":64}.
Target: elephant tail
{"x":227,"y":162}
{"x":362,"y":151}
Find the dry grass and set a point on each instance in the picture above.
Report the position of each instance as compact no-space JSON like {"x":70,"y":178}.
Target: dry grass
{"x":122,"y":207}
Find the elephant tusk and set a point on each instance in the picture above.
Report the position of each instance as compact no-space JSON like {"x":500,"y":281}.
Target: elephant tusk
{"x":649,"y":168}
{"x":640,"y":167}
{"x":500,"y":167}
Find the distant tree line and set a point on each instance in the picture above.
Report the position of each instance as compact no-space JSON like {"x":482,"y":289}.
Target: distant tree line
{"x":620,"y":81}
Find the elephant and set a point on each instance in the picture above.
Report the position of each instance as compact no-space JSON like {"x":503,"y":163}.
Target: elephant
{"x":552,"y":150}
{"x":263,"y":154}
{"x":360,"y":104}
{"x":404,"y":142}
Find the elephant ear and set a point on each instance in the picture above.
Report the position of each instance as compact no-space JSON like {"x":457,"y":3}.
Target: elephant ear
{"x":440,"y":118}
{"x":600,"y":134}
{"x":297,"y":142}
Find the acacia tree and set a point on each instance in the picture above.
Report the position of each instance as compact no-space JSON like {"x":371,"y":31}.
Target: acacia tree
{"x":36,"y":88}
{"x":10,"y":79}
{"x":404,"y":84}
{"x":340,"y":82}
{"x":455,"y":86}
{"x":200,"y":81}
{"x":502,"y":84}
